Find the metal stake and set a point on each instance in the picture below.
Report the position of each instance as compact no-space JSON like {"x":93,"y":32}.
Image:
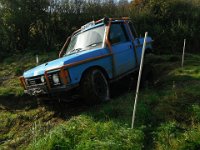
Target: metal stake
{"x":183,"y":55}
{"x":139,"y":78}
{"x":37,"y":60}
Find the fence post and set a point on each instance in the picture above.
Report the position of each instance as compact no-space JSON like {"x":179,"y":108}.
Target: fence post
{"x":183,"y":55}
{"x":139,"y":78}
{"x":37,"y":59}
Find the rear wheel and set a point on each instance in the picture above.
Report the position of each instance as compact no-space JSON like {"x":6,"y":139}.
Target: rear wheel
{"x":95,"y":87}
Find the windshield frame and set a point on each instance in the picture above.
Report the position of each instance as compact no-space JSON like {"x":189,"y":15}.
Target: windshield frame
{"x":83,"y":31}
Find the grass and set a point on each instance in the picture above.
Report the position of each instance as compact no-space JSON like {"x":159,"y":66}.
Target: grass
{"x":167,"y":115}
{"x":13,"y":67}
{"x":83,"y":132}
{"x":17,"y":127}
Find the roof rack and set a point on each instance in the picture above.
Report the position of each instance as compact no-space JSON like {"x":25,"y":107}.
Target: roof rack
{"x":111,"y":19}
{"x":105,"y":20}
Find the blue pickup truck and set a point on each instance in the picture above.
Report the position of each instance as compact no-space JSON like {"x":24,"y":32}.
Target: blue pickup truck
{"x":92,"y":57}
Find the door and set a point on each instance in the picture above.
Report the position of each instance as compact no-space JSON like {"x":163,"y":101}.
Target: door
{"x":136,"y":41}
{"x":122,"y":46}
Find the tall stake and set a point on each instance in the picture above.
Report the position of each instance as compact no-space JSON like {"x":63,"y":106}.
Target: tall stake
{"x":37,"y":59}
{"x":139,"y":78}
{"x":183,"y":55}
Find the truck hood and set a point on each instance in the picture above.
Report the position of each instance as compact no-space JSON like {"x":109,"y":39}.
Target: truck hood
{"x":82,"y":55}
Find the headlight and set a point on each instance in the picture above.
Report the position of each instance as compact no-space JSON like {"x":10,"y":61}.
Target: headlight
{"x":56,"y":78}
{"x":42,"y":79}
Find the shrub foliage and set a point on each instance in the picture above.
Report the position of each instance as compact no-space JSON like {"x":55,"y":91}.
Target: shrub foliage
{"x":48,"y":22}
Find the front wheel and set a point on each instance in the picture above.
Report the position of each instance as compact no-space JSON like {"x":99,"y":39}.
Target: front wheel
{"x":95,"y":87}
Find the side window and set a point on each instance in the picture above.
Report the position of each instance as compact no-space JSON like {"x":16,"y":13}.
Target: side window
{"x":117,"y":33}
{"x":132,"y":28}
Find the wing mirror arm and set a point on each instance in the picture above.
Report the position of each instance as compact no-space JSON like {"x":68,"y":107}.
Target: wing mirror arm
{"x":64,"y":46}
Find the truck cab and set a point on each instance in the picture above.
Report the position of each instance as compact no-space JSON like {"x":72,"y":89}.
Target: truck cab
{"x":93,"y":56}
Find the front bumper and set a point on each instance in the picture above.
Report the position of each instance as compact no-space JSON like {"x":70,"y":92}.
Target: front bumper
{"x":34,"y":86}
{"x":42,"y":89}
{"x":39,"y":89}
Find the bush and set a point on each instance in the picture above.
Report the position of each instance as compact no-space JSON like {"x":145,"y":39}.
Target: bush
{"x":169,"y":22}
{"x":196,"y":112}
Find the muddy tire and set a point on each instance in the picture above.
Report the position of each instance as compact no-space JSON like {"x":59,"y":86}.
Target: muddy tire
{"x":94,"y":87}
{"x":148,"y":76}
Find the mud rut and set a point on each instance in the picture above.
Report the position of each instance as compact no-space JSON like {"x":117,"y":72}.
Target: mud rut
{"x":63,"y":108}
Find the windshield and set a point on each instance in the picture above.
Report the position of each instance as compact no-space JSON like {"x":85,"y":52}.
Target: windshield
{"x":86,"y":40}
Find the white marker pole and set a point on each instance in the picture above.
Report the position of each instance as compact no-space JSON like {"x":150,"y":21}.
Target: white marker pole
{"x":183,"y":55}
{"x":139,"y":78}
{"x":37,"y":60}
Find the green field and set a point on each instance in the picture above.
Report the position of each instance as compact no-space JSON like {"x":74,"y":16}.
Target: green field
{"x":167,"y":117}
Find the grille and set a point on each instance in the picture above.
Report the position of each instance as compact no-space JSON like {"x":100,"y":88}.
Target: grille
{"x":34,"y":81}
{"x":37,"y":80}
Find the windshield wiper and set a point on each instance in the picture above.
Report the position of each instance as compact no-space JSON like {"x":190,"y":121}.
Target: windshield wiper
{"x":73,"y":51}
{"x":94,"y":44}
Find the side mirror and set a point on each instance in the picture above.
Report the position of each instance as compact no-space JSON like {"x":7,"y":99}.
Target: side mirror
{"x":138,"y":40}
{"x":106,"y":20}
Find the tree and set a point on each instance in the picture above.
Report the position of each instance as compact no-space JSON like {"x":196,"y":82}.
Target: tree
{"x":20,"y":16}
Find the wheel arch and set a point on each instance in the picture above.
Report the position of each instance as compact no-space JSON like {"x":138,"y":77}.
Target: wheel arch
{"x":95,"y":67}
